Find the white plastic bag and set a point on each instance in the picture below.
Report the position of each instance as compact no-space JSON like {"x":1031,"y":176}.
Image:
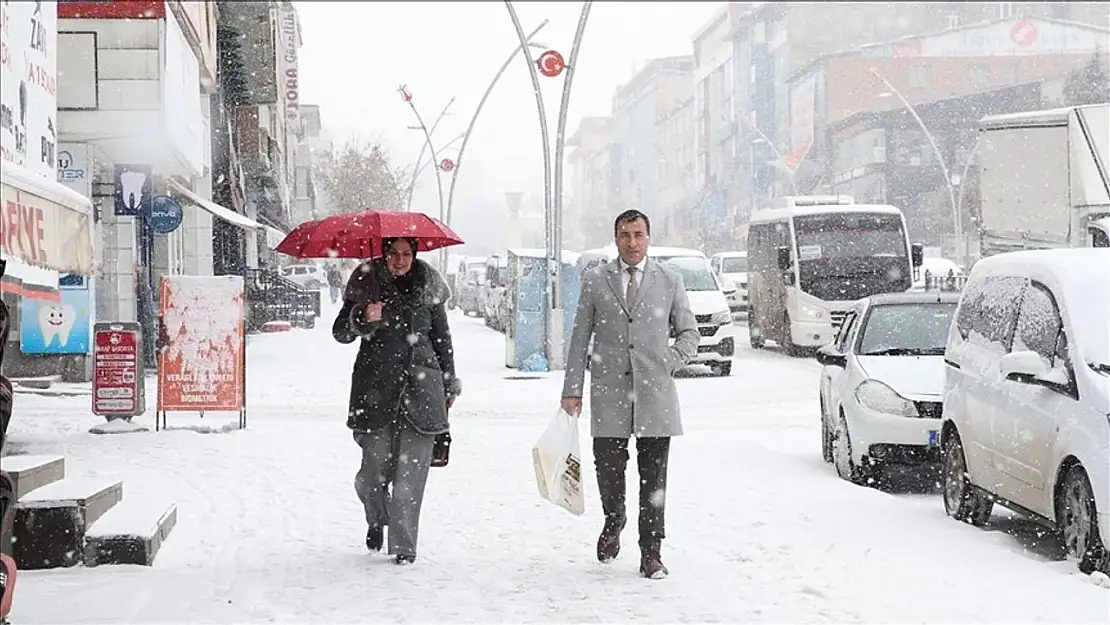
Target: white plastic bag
{"x":557,"y":460}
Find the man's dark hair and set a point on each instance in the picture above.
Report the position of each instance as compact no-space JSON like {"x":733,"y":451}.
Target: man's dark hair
{"x":628,"y":216}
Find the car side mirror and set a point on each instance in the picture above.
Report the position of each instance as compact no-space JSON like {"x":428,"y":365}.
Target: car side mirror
{"x":917,"y":254}
{"x":783,"y":258}
{"x":1023,"y":366}
{"x":829,"y":357}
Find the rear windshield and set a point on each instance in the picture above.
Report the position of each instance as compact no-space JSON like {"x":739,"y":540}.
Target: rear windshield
{"x":696,"y":273}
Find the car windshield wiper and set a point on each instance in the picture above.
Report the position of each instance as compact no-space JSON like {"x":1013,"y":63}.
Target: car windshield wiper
{"x":907,"y":351}
{"x":1101,"y":367}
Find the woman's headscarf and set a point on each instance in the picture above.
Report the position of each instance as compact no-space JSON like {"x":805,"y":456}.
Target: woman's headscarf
{"x":405,"y":284}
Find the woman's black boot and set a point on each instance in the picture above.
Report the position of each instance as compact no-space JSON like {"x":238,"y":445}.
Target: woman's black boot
{"x":375,"y":538}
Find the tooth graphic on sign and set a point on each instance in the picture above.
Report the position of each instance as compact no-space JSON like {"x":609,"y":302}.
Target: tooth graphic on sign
{"x":132,"y":183}
{"x":56,"y":321}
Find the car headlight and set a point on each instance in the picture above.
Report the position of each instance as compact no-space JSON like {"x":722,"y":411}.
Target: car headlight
{"x":722,"y":318}
{"x":881,"y":398}
{"x":811,"y":312}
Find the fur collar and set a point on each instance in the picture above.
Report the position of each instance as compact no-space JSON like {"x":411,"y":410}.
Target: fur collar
{"x":371,"y":280}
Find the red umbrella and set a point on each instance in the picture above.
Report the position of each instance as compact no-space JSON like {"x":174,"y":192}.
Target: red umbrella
{"x":359,"y":235}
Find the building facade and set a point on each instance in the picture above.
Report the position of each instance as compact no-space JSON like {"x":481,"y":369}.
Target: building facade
{"x":148,"y":97}
{"x":585,"y":223}
{"x":653,"y":91}
{"x":679,"y":191}
{"x":872,"y":148}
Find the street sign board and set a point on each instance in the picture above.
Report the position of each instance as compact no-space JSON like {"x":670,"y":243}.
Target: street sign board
{"x":119,"y":389}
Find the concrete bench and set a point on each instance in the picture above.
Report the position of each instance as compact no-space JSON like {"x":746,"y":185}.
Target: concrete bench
{"x":29,"y":472}
{"x":51,"y":521}
{"x":130,"y":533}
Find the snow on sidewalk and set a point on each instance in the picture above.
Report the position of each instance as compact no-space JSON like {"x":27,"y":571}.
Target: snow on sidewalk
{"x":759,"y":528}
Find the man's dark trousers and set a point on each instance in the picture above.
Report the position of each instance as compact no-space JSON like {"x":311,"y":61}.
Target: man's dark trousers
{"x":610,"y":461}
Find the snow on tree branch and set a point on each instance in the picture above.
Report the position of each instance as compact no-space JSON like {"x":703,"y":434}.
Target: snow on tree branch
{"x":359,"y":175}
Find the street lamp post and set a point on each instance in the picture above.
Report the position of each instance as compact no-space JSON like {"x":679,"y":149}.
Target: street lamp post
{"x":556,"y":354}
{"x":956,"y":221}
{"x":553,"y":314}
{"x":474,"y":119}
{"x":427,"y":146}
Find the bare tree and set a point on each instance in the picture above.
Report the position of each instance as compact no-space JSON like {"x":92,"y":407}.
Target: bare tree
{"x":359,"y":175}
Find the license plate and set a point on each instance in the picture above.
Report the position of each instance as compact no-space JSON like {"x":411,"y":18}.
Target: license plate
{"x":934,"y":438}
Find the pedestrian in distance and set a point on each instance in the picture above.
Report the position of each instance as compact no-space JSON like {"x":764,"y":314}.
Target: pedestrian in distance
{"x":335,"y":282}
{"x":401,"y":389}
{"x":630,"y":307}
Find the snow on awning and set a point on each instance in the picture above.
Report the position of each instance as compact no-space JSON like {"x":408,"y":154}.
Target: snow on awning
{"x":226,"y":214}
{"x":274,"y":237}
{"x":45,"y":223}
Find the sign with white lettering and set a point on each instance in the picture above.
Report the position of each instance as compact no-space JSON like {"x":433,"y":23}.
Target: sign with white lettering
{"x":119,"y":388}
{"x":28,"y":85}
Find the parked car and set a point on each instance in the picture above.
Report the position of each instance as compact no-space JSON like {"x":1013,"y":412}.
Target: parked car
{"x":308,"y":275}
{"x":470,"y":280}
{"x":1027,"y":396}
{"x":881,"y":384}
{"x":733,"y":268}
{"x":709,"y":302}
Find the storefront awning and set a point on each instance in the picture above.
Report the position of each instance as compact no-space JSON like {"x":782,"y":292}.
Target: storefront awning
{"x":44,"y":223}
{"x":226,"y":214}
{"x":274,"y":237}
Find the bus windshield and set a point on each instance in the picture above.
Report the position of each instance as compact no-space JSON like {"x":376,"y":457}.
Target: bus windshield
{"x":846,"y":256}
{"x":849,"y":235}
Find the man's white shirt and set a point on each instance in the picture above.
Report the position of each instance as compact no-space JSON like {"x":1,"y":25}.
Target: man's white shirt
{"x":626,"y":276}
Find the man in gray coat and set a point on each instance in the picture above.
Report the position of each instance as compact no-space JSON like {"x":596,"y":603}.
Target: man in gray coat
{"x":631,"y":307}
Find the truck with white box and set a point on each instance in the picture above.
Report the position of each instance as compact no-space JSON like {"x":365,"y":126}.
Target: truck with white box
{"x":1043,"y":179}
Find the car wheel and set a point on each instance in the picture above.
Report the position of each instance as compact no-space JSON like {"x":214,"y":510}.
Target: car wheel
{"x":842,"y":455}
{"x":826,"y":437}
{"x":1077,"y":519}
{"x":961,"y":500}
{"x":722,"y":369}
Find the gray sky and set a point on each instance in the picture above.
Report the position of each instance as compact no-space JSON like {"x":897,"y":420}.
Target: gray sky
{"x":355,"y":54}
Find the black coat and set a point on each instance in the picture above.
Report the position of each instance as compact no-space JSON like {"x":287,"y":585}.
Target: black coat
{"x":405,"y":368}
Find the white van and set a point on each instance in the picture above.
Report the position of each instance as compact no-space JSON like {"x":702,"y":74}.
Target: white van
{"x":733,"y":267}
{"x":708,"y":300}
{"x":1026,"y":414}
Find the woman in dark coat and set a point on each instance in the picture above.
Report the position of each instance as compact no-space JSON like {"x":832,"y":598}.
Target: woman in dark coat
{"x":402,"y":386}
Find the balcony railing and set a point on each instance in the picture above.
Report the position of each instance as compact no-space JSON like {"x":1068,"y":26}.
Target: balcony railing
{"x":271,"y":297}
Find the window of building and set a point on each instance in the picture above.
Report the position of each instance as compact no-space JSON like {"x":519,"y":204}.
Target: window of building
{"x":1006,"y":10}
{"x":1059,"y":10}
{"x":977,"y":74}
{"x":953,"y":20}
{"x":920,"y":76}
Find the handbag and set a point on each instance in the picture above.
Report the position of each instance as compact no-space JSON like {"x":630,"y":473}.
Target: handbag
{"x":441,"y":450}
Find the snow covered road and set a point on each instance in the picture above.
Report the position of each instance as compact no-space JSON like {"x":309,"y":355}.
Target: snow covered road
{"x":759,"y":528}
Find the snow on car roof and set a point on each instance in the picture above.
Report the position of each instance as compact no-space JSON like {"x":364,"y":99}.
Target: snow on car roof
{"x":670,"y":252}
{"x":1080,"y":280}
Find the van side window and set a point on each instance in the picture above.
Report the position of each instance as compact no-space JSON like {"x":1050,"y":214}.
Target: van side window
{"x":989,"y":308}
{"x":1038,"y":323}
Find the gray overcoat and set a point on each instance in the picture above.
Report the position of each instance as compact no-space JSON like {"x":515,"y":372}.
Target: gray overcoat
{"x":632,"y":388}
